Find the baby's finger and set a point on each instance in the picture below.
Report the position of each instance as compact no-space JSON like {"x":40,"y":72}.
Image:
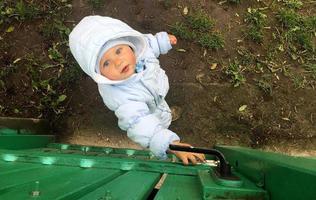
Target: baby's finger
{"x":192,"y":159}
{"x":185,"y":160}
{"x":201,"y":157}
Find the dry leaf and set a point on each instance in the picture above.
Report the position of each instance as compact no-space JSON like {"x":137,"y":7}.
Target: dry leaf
{"x":185,"y":10}
{"x":181,"y":50}
{"x":16,"y":60}
{"x":213,"y":66}
{"x":199,"y":77}
{"x":204,"y":54}
{"x":242,"y":108}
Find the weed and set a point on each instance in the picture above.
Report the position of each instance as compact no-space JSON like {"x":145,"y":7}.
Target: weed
{"x":295,"y":4}
{"x":300,"y":37}
{"x":56,"y":28}
{"x":289,"y":18}
{"x":19,"y":11}
{"x":256,"y":21}
{"x":299,"y":31}
{"x":55,"y":55}
{"x":200,"y":21}
{"x":255,"y":17}
{"x":50,"y":98}
{"x":234,"y":70}
{"x":6,"y":13}
{"x":26,"y":11}
{"x":250,"y":60}
{"x":265,"y":84}
{"x":211,"y":41}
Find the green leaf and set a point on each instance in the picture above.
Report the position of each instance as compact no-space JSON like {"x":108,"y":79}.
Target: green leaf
{"x":10,"y":29}
{"x":61,"y":98}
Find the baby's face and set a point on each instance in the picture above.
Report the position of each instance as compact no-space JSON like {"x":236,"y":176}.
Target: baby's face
{"x":118,"y":63}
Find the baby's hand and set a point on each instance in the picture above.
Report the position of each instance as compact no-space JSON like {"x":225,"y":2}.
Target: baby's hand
{"x":187,"y":156}
{"x":172,"y":39}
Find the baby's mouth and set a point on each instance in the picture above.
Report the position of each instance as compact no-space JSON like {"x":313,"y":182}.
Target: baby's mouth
{"x":125,"y":69}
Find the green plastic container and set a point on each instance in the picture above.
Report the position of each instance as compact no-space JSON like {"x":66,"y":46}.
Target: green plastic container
{"x":33,"y":167}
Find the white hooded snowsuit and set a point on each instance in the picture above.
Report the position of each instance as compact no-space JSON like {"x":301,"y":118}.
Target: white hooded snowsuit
{"x":139,"y":101}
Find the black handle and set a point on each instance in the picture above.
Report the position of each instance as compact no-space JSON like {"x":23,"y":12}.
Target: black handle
{"x":224,"y":167}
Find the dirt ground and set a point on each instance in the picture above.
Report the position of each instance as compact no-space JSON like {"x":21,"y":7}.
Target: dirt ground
{"x":284,"y":121}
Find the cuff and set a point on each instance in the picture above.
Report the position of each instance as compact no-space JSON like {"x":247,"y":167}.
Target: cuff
{"x":159,"y":143}
{"x":164,"y":42}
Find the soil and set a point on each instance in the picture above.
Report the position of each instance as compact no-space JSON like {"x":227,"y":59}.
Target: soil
{"x":284,"y":121}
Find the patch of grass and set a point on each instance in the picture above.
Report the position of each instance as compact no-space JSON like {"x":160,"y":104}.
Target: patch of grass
{"x":234,"y":70}
{"x":26,"y":11}
{"x":47,"y":82}
{"x":311,"y":68}
{"x":55,"y":55}
{"x":211,"y":41}
{"x":46,"y":89}
{"x":6,"y":12}
{"x":96,"y":4}
{"x":167,"y":3}
{"x":289,"y":18}
{"x":299,"y":81}
{"x":256,"y":21}
{"x":198,"y":27}
{"x":298,"y":31}
{"x":181,"y":30}
{"x":234,"y":1}
{"x":310,"y":24}
{"x":4,"y":72}
{"x":19,"y":10}
{"x":255,"y":34}
{"x":200,"y":21}
{"x":250,"y":61}
{"x":255,"y":17}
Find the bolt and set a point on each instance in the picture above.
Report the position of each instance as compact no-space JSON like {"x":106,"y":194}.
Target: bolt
{"x":35,"y":192}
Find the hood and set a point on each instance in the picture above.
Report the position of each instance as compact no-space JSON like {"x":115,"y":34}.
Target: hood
{"x":91,"y":33}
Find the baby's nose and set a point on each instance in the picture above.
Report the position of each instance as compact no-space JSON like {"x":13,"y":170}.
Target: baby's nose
{"x":118,"y":62}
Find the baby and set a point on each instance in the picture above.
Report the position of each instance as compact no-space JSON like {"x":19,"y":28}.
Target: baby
{"x":124,"y":64}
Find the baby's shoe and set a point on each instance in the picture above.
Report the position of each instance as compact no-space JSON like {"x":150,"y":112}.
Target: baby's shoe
{"x":176,"y":112}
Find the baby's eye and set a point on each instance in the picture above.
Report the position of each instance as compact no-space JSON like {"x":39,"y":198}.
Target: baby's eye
{"x":118,"y":51}
{"x":106,"y":63}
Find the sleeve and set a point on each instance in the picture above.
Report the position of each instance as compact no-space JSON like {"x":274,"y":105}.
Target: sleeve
{"x":145,"y":128}
{"x":159,"y":43}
